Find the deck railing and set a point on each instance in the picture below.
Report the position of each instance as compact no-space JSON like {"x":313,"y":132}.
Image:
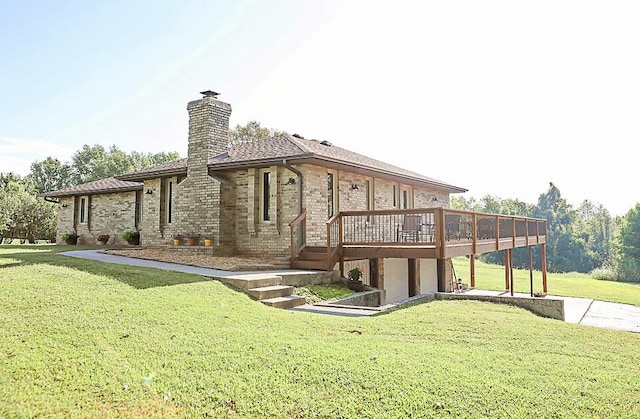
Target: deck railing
{"x":448,"y":232}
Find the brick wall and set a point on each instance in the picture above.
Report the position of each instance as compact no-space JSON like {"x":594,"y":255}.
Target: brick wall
{"x":110,"y":214}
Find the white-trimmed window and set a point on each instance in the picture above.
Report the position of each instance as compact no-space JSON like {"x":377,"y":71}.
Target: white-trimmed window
{"x":265,"y":195}
{"x":83,"y":209}
{"x":406,"y":200}
{"x":168,"y":200}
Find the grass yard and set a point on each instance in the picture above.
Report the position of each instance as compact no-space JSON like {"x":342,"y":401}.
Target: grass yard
{"x":84,"y":339}
{"x":491,"y":277}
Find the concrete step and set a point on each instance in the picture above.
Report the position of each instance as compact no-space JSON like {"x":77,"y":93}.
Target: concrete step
{"x":300,"y":279}
{"x":273,"y":291}
{"x":246,"y":282}
{"x":289,"y":301}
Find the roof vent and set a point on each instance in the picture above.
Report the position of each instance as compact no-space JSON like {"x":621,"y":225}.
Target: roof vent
{"x":209,"y":93}
{"x":325,"y":142}
{"x":298,"y":136}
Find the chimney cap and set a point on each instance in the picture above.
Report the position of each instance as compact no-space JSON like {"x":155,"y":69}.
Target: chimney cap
{"x":209,"y":93}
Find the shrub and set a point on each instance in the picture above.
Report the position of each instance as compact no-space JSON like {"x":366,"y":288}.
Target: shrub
{"x":604,"y":273}
{"x":131,"y":237}
{"x":104,"y":238}
{"x":70,"y":238}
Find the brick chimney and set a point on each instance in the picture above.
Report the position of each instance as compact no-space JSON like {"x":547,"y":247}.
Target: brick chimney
{"x":208,"y":130}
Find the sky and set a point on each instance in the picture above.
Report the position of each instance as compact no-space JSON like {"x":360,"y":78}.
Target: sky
{"x":498,"y":97}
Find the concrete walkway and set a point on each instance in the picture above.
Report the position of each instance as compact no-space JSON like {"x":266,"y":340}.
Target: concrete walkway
{"x":590,"y":312}
{"x":577,"y":310}
{"x":189,"y":269}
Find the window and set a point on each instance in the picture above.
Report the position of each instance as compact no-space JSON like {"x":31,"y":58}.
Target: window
{"x":169,"y":201}
{"x":396,"y":196}
{"x":331,"y":195}
{"x":138,"y":214}
{"x":265,"y":196}
{"x":407,"y":197}
{"x":83,"y":209}
{"x":368,"y":189}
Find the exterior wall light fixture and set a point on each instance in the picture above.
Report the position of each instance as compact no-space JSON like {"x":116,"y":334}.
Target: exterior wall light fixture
{"x":354,"y":187}
{"x":149,"y":192}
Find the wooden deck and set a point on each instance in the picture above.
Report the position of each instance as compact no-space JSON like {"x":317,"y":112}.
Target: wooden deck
{"x":419,"y":233}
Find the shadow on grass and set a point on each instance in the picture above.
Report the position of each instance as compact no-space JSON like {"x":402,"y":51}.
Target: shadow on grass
{"x":133,"y":276}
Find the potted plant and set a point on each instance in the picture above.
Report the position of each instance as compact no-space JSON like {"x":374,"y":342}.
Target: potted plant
{"x":207,"y":240}
{"x":177,"y":238}
{"x":131,"y":237}
{"x":70,"y":238}
{"x":103,"y":238}
{"x":192,"y":238}
{"x":354,"y":283}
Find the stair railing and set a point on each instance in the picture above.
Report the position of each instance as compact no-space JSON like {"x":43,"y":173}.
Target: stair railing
{"x":298,"y":229}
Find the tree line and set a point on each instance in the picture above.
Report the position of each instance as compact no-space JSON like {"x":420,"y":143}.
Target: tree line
{"x":583,"y":239}
{"x":25,"y":215}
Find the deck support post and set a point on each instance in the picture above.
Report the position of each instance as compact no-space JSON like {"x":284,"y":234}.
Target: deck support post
{"x":543,"y":255}
{"x":442,"y":275}
{"x":506,"y":269}
{"x":472,"y":269}
{"x":376,"y":276}
{"x":511,"y":271}
{"x":414,"y":277}
{"x":531,"y":269}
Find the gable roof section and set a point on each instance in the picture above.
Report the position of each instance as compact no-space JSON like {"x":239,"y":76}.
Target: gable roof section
{"x":108,"y":185}
{"x":290,"y":148}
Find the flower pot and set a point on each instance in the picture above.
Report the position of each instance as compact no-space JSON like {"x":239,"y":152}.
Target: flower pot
{"x":192,"y":241}
{"x":354,"y":285}
{"x":207,"y":242}
{"x":176,"y":242}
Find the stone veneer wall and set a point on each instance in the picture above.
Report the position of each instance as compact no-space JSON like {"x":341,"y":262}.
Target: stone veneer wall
{"x":66,"y":215}
{"x":111,"y":214}
{"x":241,"y":218}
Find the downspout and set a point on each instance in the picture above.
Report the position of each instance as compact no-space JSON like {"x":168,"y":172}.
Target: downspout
{"x":298,"y":183}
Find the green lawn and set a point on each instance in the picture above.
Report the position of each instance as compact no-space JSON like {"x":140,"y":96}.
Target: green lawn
{"x":84,"y":339}
{"x":491,"y":277}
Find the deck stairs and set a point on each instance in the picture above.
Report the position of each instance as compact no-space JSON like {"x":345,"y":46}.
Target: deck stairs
{"x":312,"y":257}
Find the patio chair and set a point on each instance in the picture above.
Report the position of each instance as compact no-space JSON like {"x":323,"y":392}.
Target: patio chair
{"x":410,"y":231}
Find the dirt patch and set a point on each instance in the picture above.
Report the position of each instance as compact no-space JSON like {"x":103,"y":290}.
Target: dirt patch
{"x":226,"y":263}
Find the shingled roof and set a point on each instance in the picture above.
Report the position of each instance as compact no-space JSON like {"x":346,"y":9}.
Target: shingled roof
{"x":256,"y":154}
{"x":292,"y":149}
{"x":176,"y":167}
{"x":108,"y":185}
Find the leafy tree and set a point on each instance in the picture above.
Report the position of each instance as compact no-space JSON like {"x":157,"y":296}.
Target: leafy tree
{"x":628,"y":244}
{"x":565,"y":251}
{"x":50,"y":175}
{"x":93,"y":163}
{"x":251,"y":132}
{"x":24,"y":215}
{"x":596,"y":227}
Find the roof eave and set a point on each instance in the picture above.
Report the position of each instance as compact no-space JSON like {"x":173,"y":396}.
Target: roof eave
{"x":311,"y":158}
{"x":62,"y":194}
{"x":140,"y":177}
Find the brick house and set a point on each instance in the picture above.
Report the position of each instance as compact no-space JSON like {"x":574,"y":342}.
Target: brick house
{"x":244,"y":198}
